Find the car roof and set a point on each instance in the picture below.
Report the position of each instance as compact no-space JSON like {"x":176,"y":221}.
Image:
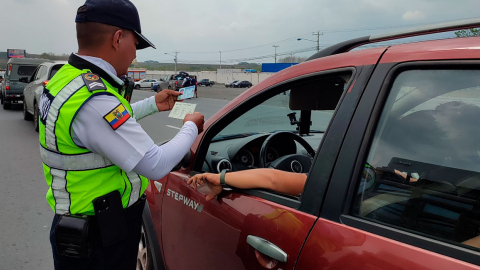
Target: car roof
{"x":27,"y":61}
{"x":54,"y":63}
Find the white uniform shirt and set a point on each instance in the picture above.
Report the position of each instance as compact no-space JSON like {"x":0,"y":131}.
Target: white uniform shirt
{"x":129,"y":146}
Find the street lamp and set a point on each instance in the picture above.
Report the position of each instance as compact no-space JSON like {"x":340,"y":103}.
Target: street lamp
{"x":174,"y":59}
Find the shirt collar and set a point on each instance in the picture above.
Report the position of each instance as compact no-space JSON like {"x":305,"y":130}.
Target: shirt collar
{"x":97,"y":66}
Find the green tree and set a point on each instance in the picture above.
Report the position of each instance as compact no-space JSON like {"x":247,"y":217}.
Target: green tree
{"x":474,"y":32}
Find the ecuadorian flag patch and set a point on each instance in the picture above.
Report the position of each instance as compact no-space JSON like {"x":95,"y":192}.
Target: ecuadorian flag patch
{"x":117,"y":116}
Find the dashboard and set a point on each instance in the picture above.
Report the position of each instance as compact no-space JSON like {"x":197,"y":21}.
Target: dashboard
{"x":244,"y":153}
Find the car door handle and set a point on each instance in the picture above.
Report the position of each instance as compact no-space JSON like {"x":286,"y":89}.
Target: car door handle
{"x":268,"y":248}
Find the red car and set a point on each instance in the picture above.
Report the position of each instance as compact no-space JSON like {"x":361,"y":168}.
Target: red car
{"x":389,"y":138}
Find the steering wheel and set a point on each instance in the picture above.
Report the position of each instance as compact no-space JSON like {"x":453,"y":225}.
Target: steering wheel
{"x":294,"y":163}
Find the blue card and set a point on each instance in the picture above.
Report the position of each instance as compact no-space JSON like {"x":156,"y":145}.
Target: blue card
{"x":187,"y":92}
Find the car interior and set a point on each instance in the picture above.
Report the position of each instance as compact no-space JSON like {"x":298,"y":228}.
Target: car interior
{"x":283,"y":131}
{"x":423,"y":170}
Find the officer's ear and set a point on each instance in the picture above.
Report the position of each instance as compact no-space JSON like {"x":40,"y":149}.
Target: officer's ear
{"x":117,"y":39}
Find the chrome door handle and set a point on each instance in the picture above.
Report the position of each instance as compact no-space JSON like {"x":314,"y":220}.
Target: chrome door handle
{"x":268,"y":248}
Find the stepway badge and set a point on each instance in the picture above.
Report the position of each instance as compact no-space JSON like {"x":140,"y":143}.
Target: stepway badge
{"x":185,"y":200}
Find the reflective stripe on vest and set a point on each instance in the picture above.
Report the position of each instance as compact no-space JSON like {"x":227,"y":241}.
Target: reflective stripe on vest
{"x":59,"y":190}
{"x":60,"y":99}
{"x":136,"y":183}
{"x":80,"y":162}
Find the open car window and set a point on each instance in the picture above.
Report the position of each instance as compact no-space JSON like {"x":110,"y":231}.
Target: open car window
{"x":423,"y":169}
{"x":303,"y":109}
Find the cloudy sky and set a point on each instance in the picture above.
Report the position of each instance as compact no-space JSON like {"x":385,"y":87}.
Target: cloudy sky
{"x":245,"y":30}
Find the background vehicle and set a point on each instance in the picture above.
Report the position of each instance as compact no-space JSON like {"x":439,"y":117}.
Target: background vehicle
{"x":229,"y":84}
{"x":17,"y":76}
{"x":34,"y":89}
{"x":389,"y":139}
{"x":145,"y":83}
{"x":242,"y":84}
{"x":206,"y":82}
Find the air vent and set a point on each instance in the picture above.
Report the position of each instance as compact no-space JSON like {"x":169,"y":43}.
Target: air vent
{"x":224,"y":164}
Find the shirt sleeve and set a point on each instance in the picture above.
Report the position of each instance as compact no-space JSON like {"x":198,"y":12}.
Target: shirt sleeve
{"x":159,"y":160}
{"x":144,"y":108}
{"x":124,"y":146}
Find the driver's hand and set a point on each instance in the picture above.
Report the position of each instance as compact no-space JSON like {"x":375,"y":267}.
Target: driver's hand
{"x":212,"y":180}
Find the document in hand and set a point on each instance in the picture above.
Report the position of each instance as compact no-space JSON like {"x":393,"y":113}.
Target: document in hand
{"x":187,"y":92}
{"x":181,"y":109}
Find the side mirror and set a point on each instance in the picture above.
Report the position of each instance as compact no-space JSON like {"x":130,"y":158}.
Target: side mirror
{"x":184,"y":162}
{"x":24,"y":80}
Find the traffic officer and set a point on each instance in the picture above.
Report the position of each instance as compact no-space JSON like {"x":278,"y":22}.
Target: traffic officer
{"x":96,"y":156}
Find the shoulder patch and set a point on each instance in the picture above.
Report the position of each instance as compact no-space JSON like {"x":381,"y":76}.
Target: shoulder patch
{"x":93,"y":82}
{"x":116,"y":117}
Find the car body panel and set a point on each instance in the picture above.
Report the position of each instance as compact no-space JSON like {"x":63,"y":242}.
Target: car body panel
{"x":214,"y":234}
{"x":454,"y":48}
{"x":336,"y":246}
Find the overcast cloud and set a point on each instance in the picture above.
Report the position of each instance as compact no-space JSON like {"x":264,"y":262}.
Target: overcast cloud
{"x":192,"y":26}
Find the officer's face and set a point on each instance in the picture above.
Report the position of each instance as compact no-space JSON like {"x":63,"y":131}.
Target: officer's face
{"x":127,"y":51}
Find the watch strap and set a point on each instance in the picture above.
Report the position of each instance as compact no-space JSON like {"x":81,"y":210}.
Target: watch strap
{"x":222,"y":178}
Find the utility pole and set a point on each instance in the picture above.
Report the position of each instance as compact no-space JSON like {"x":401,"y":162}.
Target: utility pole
{"x":174,"y":59}
{"x":220,"y":59}
{"x":275,"y":46}
{"x":318,"y":34}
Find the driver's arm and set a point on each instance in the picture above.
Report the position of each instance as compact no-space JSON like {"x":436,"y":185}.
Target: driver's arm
{"x":276,"y":180}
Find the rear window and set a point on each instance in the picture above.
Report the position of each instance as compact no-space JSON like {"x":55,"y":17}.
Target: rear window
{"x":21,"y":71}
{"x":54,"y":70}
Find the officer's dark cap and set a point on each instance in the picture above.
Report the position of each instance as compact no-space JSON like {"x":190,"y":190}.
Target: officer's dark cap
{"x":119,"y":13}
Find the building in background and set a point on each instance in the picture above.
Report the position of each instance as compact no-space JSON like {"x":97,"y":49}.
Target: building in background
{"x":137,"y":73}
{"x":276,"y":67}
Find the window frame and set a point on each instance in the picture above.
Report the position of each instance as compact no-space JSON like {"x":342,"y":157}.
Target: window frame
{"x":368,"y":130}
{"x":256,"y":100}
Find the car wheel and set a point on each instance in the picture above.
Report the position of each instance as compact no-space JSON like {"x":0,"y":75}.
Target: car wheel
{"x":137,"y":86}
{"x":144,"y":257}
{"x":36,"y":117}
{"x":26,"y":115}
{"x":6,"y":105}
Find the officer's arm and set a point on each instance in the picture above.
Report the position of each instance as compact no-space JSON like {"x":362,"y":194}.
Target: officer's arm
{"x":128,"y":144}
{"x":144,"y":108}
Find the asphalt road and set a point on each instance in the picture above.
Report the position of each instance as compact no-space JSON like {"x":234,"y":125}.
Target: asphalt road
{"x":25,"y":217}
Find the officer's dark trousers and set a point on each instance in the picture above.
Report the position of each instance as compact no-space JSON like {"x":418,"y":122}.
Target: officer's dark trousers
{"x":120,"y":256}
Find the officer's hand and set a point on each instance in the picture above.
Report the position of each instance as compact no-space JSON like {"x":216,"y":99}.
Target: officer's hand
{"x":197,"y":118}
{"x":165,"y":99}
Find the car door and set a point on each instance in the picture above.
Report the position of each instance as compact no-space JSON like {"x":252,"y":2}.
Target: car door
{"x":405,"y":189}
{"x":26,"y":91}
{"x":226,"y":233}
{"x":30,"y":89}
{"x":163,"y":84}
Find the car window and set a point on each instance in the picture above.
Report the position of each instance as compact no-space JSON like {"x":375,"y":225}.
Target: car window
{"x":19,"y":71}
{"x":42,"y":73}
{"x":54,"y":70}
{"x":422,"y":172}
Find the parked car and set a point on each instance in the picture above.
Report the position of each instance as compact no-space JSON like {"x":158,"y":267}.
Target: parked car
{"x":242,"y":84}
{"x":144,"y":83}
{"x":205,"y":82}
{"x":229,"y":84}
{"x":389,"y":139}
{"x":34,"y":89}
{"x":17,"y":76}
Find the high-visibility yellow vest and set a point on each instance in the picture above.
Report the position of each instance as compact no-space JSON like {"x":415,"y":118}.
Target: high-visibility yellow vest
{"x":76,"y":175}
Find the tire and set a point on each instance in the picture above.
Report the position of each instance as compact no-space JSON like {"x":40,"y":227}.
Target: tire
{"x":36,"y":117}
{"x":137,"y":86}
{"x":6,"y":105}
{"x":144,"y":256}
{"x":26,"y":115}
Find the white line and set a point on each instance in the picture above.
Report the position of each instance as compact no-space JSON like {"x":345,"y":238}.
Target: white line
{"x":173,"y":127}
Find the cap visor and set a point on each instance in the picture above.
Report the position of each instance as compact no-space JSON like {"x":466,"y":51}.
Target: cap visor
{"x":143,"y":42}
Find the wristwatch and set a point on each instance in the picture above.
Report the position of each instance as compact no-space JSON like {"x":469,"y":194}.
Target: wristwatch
{"x":222,"y":178}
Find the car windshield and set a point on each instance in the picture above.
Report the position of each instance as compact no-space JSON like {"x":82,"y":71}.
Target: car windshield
{"x":19,"y":71}
{"x":272,"y":116}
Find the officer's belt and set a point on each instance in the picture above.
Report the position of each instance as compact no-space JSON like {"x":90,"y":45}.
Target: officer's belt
{"x":77,"y":162}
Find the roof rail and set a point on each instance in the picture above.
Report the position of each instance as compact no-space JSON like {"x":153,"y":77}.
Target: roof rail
{"x":348,"y":45}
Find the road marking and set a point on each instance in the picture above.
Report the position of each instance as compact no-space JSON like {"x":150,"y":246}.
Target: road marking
{"x":173,"y":127}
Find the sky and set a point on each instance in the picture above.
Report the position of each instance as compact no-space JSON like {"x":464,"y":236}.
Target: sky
{"x":244,"y":30}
